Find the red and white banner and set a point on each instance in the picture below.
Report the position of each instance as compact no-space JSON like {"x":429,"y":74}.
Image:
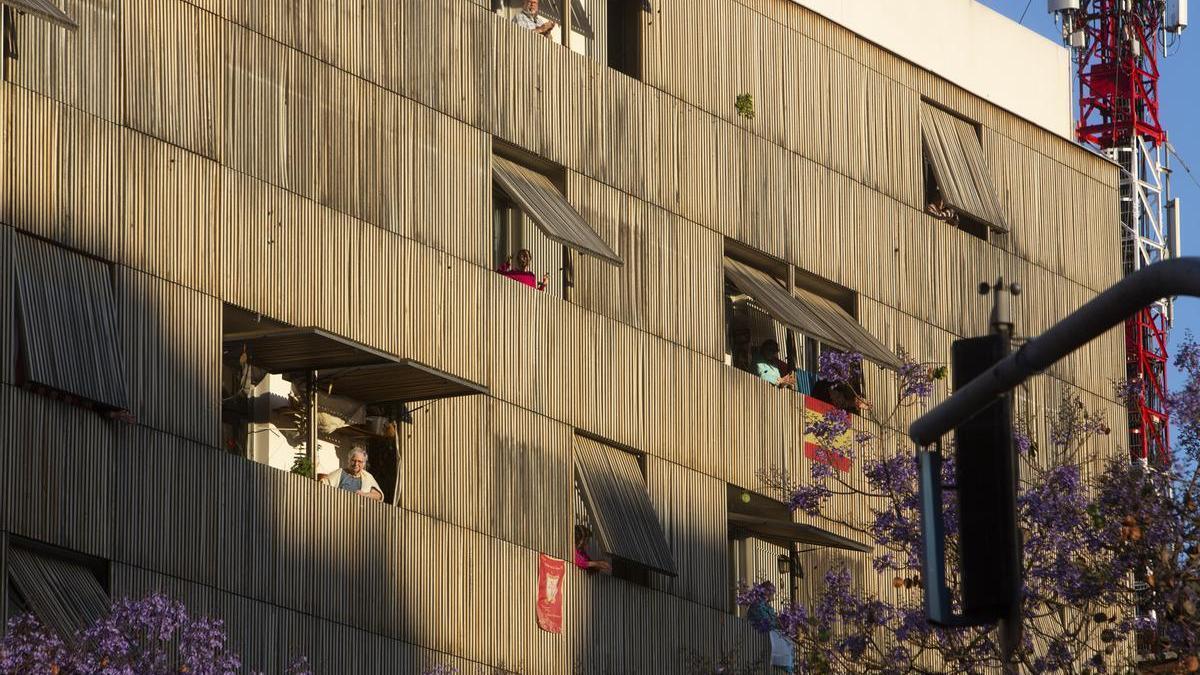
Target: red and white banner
{"x":814,"y":411}
{"x":551,"y":578}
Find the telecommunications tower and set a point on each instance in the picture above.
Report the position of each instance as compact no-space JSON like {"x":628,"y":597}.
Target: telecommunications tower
{"x":1116,"y":46}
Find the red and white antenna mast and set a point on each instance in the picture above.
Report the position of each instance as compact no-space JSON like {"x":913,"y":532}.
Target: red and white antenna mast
{"x":1116,"y":45}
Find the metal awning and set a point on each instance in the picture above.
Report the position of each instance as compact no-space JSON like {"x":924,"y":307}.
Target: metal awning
{"x":952,"y":148}
{"x":44,"y":9}
{"x":785,"y":533}
{"x":622,"y":515}
{"x":580,"y":23}
{"x":67,"y":323}
{"x":402,"y":381}
{"x":65,"y":597}
{"x":558,"y":220}
{"x":842,"y":331}
{"x":808,"y":313}
{"x":348,"y":368}
{"x":288,"y":350}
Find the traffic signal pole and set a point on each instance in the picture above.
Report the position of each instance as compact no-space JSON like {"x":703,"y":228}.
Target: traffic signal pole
{"x":979,"y":412}
{"x":1124,"y":299}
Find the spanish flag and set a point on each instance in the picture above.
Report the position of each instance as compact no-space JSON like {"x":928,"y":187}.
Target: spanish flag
{"x":814,"y":411}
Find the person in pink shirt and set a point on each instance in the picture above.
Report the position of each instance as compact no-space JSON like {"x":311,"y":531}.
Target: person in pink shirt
{"x":521,"y":272}
{"x":582,"y":560}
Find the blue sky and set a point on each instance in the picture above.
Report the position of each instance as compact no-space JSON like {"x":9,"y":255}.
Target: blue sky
{"x":1179,"y":100}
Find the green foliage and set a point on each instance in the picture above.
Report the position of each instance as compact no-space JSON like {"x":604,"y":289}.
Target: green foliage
{"x":302,"y":465}
{"x":745,"y":105}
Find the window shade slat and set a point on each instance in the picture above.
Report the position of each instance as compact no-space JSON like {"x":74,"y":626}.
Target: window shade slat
{"x":960,"y":167}
{"x":622,"y":514}
{"x":554,"y":215}
{"x":68,"y":323}
{"x":44,"y":9}
{"x":64,"y":596}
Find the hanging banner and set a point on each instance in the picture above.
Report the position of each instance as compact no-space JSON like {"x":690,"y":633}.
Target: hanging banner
{"x":814,"y":411}
{"x":551,"y":577}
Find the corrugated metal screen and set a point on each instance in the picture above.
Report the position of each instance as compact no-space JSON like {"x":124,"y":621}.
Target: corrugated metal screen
{"x":809,"y":313}
{"x":68,"y":323}
{"x":953,"y":149}
{"x":622,"y":514}
{"x":44,"y":9}
{"x":784,"y":533}
{"x":540,"y":200}
{"x":64,"y":596}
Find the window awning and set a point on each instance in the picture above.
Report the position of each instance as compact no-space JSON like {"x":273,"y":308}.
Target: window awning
{"x":623,"y":517}
{"x":558,"y":220}
{"x":287,"y":350}
{"x":44,"y":9}
{"x":401,"y":381}
{"x":842,"y":331}
{"x":785,"y":533}
{"x":64,"y":596}
{"x":962,"y":173}
{"x":67,"y":317}
{"x":809,"y":313}
{"x":351,"y":369}
{"x":580,"y":23}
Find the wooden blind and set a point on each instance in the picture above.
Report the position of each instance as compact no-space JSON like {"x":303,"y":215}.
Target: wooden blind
{"x":65,"y":597}
{"x":952,"y":148}
{"x":541,"y":201}
{"x":43,"y":9}
{"x":620,"y":508}
{"x":68,"y":323}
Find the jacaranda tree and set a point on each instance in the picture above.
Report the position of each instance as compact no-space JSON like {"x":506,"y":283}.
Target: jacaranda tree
{"x":151,"y":636}
{"x":1109,"y":546}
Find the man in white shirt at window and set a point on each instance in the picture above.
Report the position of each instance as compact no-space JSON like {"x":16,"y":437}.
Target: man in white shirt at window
{"x":528,"y":18}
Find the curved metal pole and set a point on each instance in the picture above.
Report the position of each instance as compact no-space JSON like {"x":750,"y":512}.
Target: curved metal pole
{"x":1180,"y":276}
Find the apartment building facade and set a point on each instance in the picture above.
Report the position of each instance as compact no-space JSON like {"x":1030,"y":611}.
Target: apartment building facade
{"x":241,"y":240}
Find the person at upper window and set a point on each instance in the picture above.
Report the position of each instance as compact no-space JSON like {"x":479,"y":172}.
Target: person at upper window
{"x":938,"y":209}
{"x":529,"y":18}
{"x":354,"y":477}
{"x":521,"y":272}
{"x":771,"y":368}
{"x":582,"y":560}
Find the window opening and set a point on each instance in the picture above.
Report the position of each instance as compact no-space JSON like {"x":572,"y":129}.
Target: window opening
{"x":545,"y":17}
{"x":533,"y":226}
{"x":65,"y":590}
{"x":958,"y":187}
{"x":67,"y":340}
{"x":312,"y":403}
{"x":613,"y":505}
{"x":624,"y":43}
{"x":764,"y":543}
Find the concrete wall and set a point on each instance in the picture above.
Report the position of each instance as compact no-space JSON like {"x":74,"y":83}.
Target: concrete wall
{"x":971,"y":45}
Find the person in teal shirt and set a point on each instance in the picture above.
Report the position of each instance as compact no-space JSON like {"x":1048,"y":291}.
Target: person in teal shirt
{"x":771,"y":369}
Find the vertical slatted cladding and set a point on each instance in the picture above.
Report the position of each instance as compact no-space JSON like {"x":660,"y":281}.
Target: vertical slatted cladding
{"x":525,"y":479}
{"x":684,"y":421}
{"x":69,"y":188}
{"x":171,"y":374}
{"x":450,"y":205}
{"x":58,"y":472}
{"x":7,"y":306}
{"x":82,"y":68}
{"x":172,"y":204}
{"x":441,"y":460}
{"x":256,"y":76}
{"x":173,"y":89}
{"x":691,"y":508}
{"x":757,"y":431}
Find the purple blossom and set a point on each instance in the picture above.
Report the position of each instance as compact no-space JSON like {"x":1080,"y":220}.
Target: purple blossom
{"x":829,"y":429}
{"x":916,"y":379}
{"x":839,"y":367}
{"x":809,"y":498}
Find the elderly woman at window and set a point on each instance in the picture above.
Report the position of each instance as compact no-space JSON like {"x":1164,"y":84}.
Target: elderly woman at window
{"x":354,"y":477}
